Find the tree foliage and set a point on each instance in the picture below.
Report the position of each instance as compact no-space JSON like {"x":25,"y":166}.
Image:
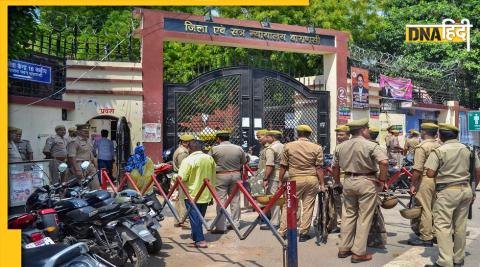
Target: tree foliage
{"x":21,"y":26}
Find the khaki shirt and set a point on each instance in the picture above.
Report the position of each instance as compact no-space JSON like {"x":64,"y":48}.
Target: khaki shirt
{"x":411,"y":144}
{"x":262,"y":158}
{"x":228,"y":157}
{"x":452,"y":161}
{"x":24,"y":148}
{"x":13,"y":154}
{"x":302,"y":157}
{"x":359,"y":155}
{"x":80,"y":149}
{"x":273,"y":155}
{"x":178,"y":156}
{"x":388,"y":139}
{"x":56,"y":146}
{"x":422,"y":151}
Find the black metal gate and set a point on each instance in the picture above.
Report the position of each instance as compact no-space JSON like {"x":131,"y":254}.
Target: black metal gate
{"x":244,"y":100}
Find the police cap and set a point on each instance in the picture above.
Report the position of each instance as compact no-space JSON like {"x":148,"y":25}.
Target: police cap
{"x":262,"y":131}
{"x":447,"y":127}
{"x":59,"y":127}
{"x":186,"y":137}
{"x":374,"y":129}
{"x":304,"y":128}
{"x":274,"y":132}
{"x":342,"y":128}
{"x":81,"y":127}
{"x":357,"y":124}
{"x":428,"y":125}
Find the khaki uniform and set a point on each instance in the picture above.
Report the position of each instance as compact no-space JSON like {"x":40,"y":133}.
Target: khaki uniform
{"x":302,"y":158}
{"x":229,"y":159}
{"x":179,"y":155}
{"x":82,"y":150}
{"x":394,"y":149}
{"x":256,"y":182}
{"x":57,"y":147}
{"x":359,"y":158}
{"x":13,"y":154}
{"x":377,"y":236}
{"x":339,"y":208}
{"x":450,"y":210}
{"x":273,"y":155}
{"x":426,"y":188}
{"x":411,"y":145}
{"x":24,"y":148}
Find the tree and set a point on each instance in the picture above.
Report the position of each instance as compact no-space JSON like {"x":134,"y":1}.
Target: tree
{"x":22,"y":23}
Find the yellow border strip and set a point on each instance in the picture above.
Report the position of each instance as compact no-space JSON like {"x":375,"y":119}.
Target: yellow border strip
{"x":159,"y":3}
{"x":10,"y":240}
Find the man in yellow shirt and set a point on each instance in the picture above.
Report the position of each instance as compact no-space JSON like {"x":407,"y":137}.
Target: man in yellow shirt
{"x":193,"y":170}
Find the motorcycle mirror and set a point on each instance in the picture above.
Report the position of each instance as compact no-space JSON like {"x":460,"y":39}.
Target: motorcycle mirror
{"x":85,"y":165}
{"x":62,"y":167}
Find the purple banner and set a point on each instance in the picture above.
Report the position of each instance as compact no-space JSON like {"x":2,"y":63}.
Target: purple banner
{"x":396,"y":88}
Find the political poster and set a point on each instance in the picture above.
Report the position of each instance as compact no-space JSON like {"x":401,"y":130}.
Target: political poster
{"x":359,"y":78}
{"x":396,"y":88}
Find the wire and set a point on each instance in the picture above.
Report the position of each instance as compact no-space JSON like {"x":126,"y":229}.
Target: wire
{"x":75,"y":81}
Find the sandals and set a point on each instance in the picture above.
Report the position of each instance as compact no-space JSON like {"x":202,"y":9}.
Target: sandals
{"x":197,"y":245}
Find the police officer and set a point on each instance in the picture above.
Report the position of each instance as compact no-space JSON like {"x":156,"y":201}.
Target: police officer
{"x":342,"y":134}
{"x":422,"y":186}
{"x":393,"y":147}
{"x":80,"y":149}
{"x":359,"y":157}
{"x":56,"y":149}
{"x":229,"y":159}
{"x":72,"y":133}
{"x":303,"y":160}
{"x":271,"y":180}
{"x":23,"y":146}
{"x":13,"y":154}
{"x":256,"y":183}
{"x":178,"y":156}
{"x":377,"y":237}
{"x":449,"y":165}
{"x":411,"y":143}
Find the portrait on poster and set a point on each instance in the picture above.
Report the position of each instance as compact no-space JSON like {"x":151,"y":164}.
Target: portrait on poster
{"x":359,"y":78}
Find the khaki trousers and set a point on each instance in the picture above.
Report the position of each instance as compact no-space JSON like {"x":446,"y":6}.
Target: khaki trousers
{"x":275,"y":210}
{"x":360,"y":200}
{"x":425,"y":198}
{"x":450,"y":217}
{"x":94,"y":184}
{"x":224,"y":187}
{"x":307,"y":189}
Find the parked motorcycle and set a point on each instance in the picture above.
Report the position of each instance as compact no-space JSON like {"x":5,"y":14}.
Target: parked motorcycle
{"x":102,"y":229}
{"x":62,"y":255}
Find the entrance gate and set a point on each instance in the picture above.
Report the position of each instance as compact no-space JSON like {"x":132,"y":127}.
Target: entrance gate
{"x":244,"y":100}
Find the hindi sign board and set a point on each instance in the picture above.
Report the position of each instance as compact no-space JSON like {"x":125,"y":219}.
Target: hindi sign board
{"x":27,"y":71}
{"x":473,"y":121}
{"x":152,"y":132}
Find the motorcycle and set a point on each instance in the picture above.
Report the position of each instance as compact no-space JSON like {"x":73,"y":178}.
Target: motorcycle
{"x":399,"y":176}
{"x":62,"y":255}
{"x":102,"y":229}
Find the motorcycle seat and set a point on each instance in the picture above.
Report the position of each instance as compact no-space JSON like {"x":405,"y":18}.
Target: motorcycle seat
{"x":108,"y":208}
{"x":38,"y":257}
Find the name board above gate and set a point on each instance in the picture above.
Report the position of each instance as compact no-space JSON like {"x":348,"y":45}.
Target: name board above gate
{"x":186,"y":26}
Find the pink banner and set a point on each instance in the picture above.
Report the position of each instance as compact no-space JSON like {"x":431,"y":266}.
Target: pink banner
{"x":397,"y":88}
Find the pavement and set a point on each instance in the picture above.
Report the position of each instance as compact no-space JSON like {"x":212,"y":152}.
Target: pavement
{"x":262,"y":249}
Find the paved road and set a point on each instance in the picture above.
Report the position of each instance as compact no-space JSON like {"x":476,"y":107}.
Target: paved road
{"x":262,"y":249}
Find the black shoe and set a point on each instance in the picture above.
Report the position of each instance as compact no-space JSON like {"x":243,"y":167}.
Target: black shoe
{"x":335,"y":230}
{"x":218,"y":232}
{"x":264,"y":227}
{"x":420,"y":243}
{"x":433,"y":265}
{"x":303,"y":238}
{"x":460,"y":264}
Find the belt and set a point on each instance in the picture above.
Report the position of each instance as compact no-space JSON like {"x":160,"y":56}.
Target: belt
{"x":225,"y":172}
{"x":302,"y":177}
{"x":359,"y":174}
{"x":457,"y":186}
